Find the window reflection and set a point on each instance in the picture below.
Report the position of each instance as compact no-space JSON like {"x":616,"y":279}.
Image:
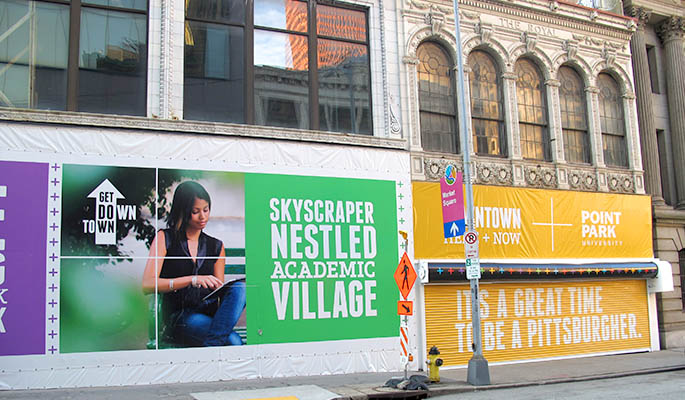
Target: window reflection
{"x":344,"y":95}
{"x":281,"y":84}
{"x":283,"y":14}
{"x":134,"y":4}
{"x":278,"y":65}
{"x":437,"y":105}
{"x":341,"y":23}
{"x":33,"y":54}
{"x":216,"y":10}
{"x":214,"y":79}
{"x":112,"y":62}
{"x":573,"y":116}
{"x":531,"y":111}
{"x":486,"y":106}
{"x":612,"y":121}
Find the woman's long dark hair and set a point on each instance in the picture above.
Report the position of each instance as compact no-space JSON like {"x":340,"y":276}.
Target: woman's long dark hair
{"x":182,"y":205}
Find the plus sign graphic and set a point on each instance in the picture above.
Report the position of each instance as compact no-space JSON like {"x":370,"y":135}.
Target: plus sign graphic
{"x":551,"y":222}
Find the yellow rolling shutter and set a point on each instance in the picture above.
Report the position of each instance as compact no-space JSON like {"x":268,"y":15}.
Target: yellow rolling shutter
{"x":534,"y":320}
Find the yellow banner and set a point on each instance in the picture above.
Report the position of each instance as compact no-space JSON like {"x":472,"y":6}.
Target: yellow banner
{"x":536,"y":223}
{"x":525,"y":321}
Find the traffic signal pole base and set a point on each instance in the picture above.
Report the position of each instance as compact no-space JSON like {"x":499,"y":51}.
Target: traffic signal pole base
{"x":478,"y":372}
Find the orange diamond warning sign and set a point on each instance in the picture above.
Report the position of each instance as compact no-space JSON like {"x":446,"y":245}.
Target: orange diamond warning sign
{"x":405,"y":276}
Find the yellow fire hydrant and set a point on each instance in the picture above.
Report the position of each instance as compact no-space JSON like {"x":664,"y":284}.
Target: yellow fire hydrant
{"x":434,"y":364}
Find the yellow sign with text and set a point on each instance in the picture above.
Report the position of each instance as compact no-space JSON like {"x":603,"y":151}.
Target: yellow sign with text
{"x":537,"y":223}
{"x":526,"y":321}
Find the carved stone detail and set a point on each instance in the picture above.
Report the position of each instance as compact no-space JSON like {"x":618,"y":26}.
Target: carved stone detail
{"x":530,"y":39}
{"x":609,"y":56}
{"x":640,"y":14}
{"x":541,"y":177}
{"x":672,"y":28}
{"x":494,"y":174}
{"x":571,"y":48}
{"x":435,"y":19}
{"x":621,"y":183}
{"x":583,"y":180}
{"x":435,"y":168}
{"x":485,"y":32}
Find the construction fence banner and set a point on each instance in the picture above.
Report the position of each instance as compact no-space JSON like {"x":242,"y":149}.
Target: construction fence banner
{"x":309,"y":254}
{"x":538,"y":320}
{"x":517,"y":223}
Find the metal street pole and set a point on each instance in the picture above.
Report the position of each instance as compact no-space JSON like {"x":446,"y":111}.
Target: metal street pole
{"x":478,"y":373}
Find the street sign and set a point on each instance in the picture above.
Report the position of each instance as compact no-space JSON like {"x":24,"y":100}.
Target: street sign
{"x":471,"y":244}
{"x":452,"y":197}
{"x":472,"y":259}
{"x":405,"y":276}
{"x":472,"y":269}
{"x":405,"y":308}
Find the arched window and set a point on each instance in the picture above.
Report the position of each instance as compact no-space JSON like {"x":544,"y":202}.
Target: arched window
{"x":487,"y":117}
{"x":532,"y":111}
{"x":612,"y":122}
{"x":437,"y":106}
{"x":573,"y":116}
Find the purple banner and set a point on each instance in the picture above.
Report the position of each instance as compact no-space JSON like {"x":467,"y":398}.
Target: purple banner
{"x":452,"y":197}
{"x":23,"y":236}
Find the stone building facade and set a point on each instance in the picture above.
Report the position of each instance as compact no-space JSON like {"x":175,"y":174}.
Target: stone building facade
{"x":658,"y":48}
{"x":549,"y":36}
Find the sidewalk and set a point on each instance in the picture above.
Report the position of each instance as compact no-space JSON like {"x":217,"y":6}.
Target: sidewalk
{"x":370,"y":385}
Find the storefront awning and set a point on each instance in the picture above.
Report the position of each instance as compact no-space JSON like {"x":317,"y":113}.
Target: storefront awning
{"x":456,"y":271}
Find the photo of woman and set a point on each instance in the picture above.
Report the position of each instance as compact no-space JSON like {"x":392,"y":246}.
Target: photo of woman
{"x":185,"y":265}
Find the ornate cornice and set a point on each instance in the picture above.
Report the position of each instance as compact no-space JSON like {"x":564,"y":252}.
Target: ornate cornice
{"x":86,"y":120}
{"x":550,"y":16}
{"x":672,"y":29}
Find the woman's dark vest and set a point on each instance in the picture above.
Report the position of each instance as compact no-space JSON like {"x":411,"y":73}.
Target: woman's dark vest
{"x":208,"y":250}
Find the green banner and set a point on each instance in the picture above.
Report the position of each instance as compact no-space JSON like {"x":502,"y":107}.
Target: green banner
{"x":300,"y":258}
{"x":320,"y":254}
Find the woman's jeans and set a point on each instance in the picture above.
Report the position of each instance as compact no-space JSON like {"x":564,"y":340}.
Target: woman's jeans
{"x":198,"y":329}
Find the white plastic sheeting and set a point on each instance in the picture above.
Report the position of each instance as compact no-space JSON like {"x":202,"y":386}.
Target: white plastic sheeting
{"x":147,"y":148}
{"x":143,"y":367}
{"x":75,"y":144}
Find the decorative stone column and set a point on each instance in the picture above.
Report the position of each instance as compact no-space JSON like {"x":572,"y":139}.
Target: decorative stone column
{"x":511,"y":115}
{"x":672,"y":34}
{"x":556,"y":139}
{"x":414,"y":137}
{"x":645,"y":109}
{"x":595,"y":127}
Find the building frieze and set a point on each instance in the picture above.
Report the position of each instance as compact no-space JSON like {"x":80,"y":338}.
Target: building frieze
{"x":500,"y":172}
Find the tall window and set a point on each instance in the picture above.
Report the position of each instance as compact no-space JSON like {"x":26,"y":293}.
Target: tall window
{"x":214,"y":73}
{"x":487,"y":117}
{"x":573,"y":116}
{"x":89,"y":55}
{"x":437,"y":105}
{"x":532,"y":111}
{"x":612,"y":122}
{"x":285,"y":63}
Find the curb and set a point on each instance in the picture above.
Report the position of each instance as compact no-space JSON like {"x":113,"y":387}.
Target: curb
{"x":363,"y":393}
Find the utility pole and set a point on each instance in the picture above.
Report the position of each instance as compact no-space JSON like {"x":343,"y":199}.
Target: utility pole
{"x":478,"y":372}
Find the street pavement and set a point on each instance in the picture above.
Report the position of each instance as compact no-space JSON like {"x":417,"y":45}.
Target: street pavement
{"x":370,"y":385}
